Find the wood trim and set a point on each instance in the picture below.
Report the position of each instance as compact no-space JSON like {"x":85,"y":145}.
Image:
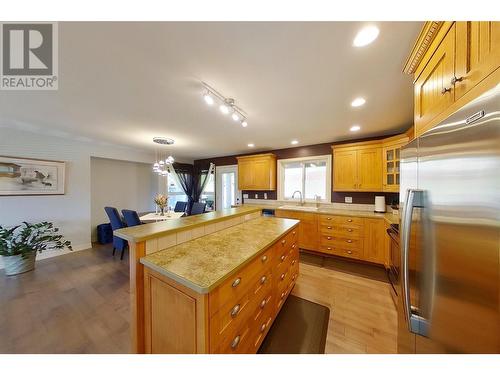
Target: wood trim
{"x":400,"y":138}
{"x":136,"y":252}
{"x":268,"y":155}
{"x":421,"y":46}
{"x":486,"y":84}
{"x":359,"y":145}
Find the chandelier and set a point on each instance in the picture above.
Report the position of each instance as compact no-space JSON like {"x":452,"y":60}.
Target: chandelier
{"x":162,"y":161}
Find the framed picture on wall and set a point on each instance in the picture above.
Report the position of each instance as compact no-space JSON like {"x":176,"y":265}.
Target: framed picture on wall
{"x":20,"y":176}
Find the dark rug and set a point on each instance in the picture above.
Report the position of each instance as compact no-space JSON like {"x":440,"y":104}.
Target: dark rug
{"x":300,"y":328}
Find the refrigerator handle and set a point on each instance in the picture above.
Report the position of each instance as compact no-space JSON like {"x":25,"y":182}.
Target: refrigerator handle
{"x":416,"y":324}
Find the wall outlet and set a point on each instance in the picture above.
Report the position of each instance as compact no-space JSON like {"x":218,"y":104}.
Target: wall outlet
{"x":265,"y":195}
{"x":256,"y":196}
{"x":348,"y":199}
{"x":245,"y":196}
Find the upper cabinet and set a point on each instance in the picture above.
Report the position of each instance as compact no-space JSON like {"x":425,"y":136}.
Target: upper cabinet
{"x":357,"y":166}
{"x":257,"y":172}
{"x":452,"y":63}
{"x":391,"y":154}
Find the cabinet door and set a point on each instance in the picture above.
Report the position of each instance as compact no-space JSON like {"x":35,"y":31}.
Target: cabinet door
{"x":369,"y":165}
{"x":375,"y":241}
{"x":433,"y":90}
{"x":344,"y":170}
{"x":477,"y":53}
{"x":245,"y":175}
{"x":391,"y":168}
{"x":308,"y":227}
{"x":261,"y":174}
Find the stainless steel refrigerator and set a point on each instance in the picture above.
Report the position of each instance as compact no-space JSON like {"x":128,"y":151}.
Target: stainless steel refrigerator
{"x":449,"y":300}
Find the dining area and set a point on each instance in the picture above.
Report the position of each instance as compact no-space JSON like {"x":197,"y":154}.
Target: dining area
{"x":131,"y":218}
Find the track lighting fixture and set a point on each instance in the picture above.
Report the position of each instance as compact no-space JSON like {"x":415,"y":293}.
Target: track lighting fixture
{"x":226,"y":106}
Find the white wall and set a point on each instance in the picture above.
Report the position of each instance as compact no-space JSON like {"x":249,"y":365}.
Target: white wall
{"x":70,"y":212}
{"x":120,"y":184}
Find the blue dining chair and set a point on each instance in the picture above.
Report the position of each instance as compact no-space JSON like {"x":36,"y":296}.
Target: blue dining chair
{"x":180,"y":207}
{"x":116,"y":223}
{"x":198,"y":208}
{"x":131,"y":218}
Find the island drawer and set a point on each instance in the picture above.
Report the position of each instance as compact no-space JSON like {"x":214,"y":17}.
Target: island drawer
{"x":227,"y":320}
{"x":231,"y":290}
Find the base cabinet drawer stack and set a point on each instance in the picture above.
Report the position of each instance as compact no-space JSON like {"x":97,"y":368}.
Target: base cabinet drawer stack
{"x":235,"y":317}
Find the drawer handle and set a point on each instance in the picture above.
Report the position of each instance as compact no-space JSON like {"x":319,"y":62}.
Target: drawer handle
{"x":329,"y":248}
{"x":454,"y":80}
{"x":263,"y":303}
{"x":293,"y":278}
{"x":235,"y":310}
{"x":293,"y":262}
{"x":236,"y":282}
{"x":264,"y":258}
{"x":263,"y":279}
{"x":263,"y":327}
{"x":328,"y":218}
{"x":282,"y":258}
{"x":349,"y":230}
{"x":328,"y":238}
{"x":235,"y":342}
{"x":282,"y":295}
{"x":349,"y":252}
{"x":349,"y":241}
{"x":294,"y":233}
{"x":349,"y":220}
{"x":282,"y":277}
{"x":445,"y":90}
{"x":283,"y":242}
{"x":293,"y":246}
{"x":328,"y":227}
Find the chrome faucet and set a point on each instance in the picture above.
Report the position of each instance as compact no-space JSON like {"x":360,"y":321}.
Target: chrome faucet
{"x":301,"y":202}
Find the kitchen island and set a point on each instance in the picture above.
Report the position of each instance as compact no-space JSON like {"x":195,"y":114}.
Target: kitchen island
{"x":216,"y":292}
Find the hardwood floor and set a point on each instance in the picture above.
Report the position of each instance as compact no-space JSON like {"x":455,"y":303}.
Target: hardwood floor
{"x":79,"y":303}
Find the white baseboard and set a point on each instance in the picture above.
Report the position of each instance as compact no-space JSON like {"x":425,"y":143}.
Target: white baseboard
{"x":56,"y":253}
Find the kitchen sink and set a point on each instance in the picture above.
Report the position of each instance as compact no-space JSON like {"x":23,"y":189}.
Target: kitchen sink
{"x":298,"y":208}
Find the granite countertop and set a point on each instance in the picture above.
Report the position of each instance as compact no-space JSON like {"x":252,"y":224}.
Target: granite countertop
{"x":147,"y":231}
{"x":388,"y":216}
{"x":204,"y":263}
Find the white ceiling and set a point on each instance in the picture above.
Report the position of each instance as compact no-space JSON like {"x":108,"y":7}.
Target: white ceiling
{"x":125,"y":83}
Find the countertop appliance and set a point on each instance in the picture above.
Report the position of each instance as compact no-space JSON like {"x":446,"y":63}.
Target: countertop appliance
{"x":449,"y":299}
{"x":380,"y":204}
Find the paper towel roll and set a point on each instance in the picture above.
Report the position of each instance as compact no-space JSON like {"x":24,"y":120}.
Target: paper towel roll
{"x":379,"y":203}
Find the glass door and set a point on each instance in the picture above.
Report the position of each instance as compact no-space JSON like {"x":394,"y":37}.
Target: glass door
{"x":227,"y":193}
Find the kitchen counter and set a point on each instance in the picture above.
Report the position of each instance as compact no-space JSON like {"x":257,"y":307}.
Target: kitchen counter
{"x":204,"y":263}
{"x":147,"y":231}
{"x":388,"y":217}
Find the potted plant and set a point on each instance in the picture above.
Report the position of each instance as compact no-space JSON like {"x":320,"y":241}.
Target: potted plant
{"x":161,"y":201}
{"x":20,"y":244}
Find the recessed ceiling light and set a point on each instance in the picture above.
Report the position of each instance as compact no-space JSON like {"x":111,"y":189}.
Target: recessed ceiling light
{"x":294,"y":142}
{"x":208,"y":99}
{"x":224,"y":109}
{"x":235,"y":116}
{"x":358,"y":102}
{"x":365,"y":36}
{"x":244,"y":123}
{"x":251,"y":145}
{"x":355,"y":128}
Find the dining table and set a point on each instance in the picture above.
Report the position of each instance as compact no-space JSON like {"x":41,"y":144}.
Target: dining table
{"x":155,"y":217}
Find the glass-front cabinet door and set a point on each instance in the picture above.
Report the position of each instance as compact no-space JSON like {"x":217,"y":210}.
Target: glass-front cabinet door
{"x":391,"y":167}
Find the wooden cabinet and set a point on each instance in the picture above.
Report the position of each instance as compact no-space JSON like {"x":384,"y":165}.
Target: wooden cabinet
{"x":477,"y":53}
{"x":308,"y":227}
{"x":375,"y":241}
{"x":391,"y":156}
{"x":453,"y":63}
{"x":257,"y":172}
{"x":357,"y":166}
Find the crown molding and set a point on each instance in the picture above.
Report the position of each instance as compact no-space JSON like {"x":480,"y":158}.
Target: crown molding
{"x":422,"y":44}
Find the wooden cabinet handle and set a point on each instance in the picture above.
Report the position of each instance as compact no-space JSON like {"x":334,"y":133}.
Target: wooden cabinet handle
{"x":236,"y":282}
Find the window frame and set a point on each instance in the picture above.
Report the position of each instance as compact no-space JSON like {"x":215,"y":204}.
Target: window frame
{"x":303,"y":160}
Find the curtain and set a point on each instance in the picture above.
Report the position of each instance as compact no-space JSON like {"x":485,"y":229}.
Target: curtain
{"x":201,"y":181}
{"x":183,"y":175}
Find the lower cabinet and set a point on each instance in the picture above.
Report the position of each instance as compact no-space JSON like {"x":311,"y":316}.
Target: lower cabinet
{"x":235,"y":317}
{"x":346,"y":236}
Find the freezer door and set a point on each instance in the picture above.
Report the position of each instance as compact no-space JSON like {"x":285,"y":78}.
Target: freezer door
{"x":408,"y":231}
{"x":458,"y":271}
